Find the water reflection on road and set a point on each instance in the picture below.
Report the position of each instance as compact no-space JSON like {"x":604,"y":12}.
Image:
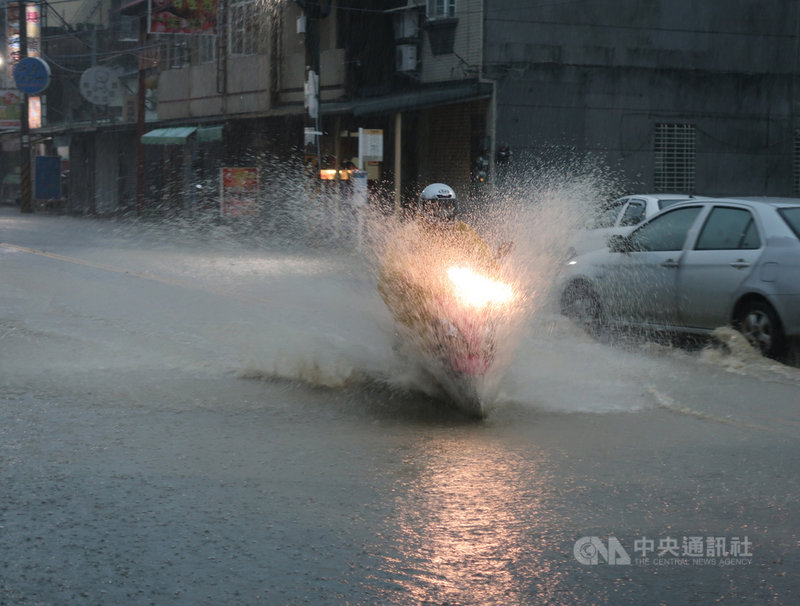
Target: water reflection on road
{"x":469,"y":525}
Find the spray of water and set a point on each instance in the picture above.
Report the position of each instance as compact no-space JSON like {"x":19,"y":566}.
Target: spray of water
{"x":538,"y":210}
{"x":328,"y":326}
{"x":314,"y":261}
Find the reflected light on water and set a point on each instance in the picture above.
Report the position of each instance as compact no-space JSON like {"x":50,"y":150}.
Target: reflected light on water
{"x":469,"y":528}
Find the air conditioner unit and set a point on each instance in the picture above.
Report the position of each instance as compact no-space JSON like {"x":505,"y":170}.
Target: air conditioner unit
{"x":406,"y":57}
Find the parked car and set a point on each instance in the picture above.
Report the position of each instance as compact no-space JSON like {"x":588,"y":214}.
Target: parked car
{"x":620,"y":217}
{"x":696,"y":266}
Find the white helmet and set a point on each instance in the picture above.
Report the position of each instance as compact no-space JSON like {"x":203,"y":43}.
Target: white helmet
{"x":438,"y":200}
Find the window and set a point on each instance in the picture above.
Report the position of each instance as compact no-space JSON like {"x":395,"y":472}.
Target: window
{"x":674,"y":156}
{"x":634,"y":214}
{"x":792,"y":217}
{"x":665,"y":232}
{"x":207,"y":48}
{"x":173,"y":51}
{"x":441,"y":9}
{"x":729,"y":229}
{"x":244,"y":30}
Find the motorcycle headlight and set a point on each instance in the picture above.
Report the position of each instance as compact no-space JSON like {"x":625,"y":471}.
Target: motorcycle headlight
{"x":477,"y":290}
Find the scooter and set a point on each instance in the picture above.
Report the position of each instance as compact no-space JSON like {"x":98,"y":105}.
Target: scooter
{"x":457,"y":343}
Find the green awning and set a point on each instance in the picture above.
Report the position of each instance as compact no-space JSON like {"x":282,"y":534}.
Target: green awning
{"x":168,"y":136}
{"x":209,"y":133}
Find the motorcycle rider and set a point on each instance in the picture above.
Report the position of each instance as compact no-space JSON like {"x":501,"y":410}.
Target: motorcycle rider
{"x":416,"y":258}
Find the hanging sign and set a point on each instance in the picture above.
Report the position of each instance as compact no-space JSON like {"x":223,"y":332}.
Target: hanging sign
{"x":100,"y":85}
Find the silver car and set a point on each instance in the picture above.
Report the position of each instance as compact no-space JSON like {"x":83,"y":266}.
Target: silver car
{"x":696,"y":266}
{"x":620,"y":217}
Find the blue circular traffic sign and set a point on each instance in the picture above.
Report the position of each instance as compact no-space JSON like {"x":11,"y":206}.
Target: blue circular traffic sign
{"x":32,"y":75}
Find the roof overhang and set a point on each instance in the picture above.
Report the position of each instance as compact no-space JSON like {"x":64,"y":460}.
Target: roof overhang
{"x":169,"y":136}
{"x":207,"y":134}
{"x":443,"y":94}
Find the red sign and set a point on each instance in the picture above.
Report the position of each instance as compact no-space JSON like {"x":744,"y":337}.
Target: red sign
{"x":239,"y":191}
{"x":183,"y":16}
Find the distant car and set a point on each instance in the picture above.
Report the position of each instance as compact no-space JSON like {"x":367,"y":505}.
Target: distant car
{"x":620,"y":217}
{"x":696,"y":266}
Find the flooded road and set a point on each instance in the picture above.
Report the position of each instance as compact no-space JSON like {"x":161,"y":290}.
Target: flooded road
{"x":192,"y":420}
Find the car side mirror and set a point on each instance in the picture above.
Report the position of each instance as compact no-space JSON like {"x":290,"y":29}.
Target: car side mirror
{"x":619,"y":244}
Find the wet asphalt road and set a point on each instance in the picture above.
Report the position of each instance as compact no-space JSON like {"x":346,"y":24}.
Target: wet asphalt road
{"x":188,"y":423}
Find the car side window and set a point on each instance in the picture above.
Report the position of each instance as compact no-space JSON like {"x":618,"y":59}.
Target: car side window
{"x":729,"y":229}
{"x":634,"y":214}
{"x":750,"y":239}
{"x":792,"y":218}
{"x":665,"y":232}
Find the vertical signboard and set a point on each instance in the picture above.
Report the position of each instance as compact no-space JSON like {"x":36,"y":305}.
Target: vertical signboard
{"x":35,"y":112}
{"x":9,"y":108}
{"x":238,"y":191}
{"x":370,"y":151}
{"x":12,"y":36}
{"x":33,"y":21}
{"x":370,"y":145}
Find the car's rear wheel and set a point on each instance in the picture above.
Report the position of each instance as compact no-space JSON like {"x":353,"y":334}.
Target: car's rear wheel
{"x":761,"y":326}
{"x":581,"y":305}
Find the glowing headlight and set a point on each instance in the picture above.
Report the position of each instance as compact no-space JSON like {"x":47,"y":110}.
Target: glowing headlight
{"x":476,"y":290}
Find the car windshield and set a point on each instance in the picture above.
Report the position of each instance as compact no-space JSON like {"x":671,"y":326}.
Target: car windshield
{"x":608,"y":216}
{"x":634,"y":214}
{"x":662,"y":204}
{"x":792,"y":218}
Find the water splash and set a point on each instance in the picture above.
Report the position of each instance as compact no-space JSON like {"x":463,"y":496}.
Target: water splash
{"x":328,"y":326}
{"x":539,"y":210}
{"x":733,"y":353}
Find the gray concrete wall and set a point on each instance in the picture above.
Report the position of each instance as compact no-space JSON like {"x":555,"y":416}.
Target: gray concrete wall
{"x":598,"y":77}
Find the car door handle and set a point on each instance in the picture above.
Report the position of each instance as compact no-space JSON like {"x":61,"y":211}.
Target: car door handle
{"x":740,"y":264}
{"x":669,"y":263}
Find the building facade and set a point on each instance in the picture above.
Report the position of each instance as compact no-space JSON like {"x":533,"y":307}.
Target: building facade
{"x":676,"y":95}
{"x":671,"y":95}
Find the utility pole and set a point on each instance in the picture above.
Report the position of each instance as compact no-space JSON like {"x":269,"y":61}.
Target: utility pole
{"x":140,"y":110}
{"x":26,"y":195}
{"x":314,"y":11}
{"x":139,"y":8}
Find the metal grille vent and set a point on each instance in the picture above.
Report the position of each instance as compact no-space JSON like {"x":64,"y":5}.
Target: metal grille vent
{"x":674,"y":158}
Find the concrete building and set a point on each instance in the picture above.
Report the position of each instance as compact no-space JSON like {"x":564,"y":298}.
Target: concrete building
{"x":680,"y":96}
